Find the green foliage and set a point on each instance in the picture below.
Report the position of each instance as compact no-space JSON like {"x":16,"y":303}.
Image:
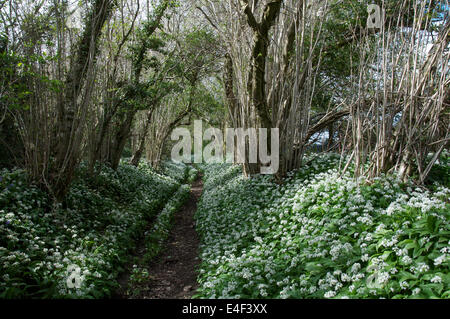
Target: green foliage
{"x":344,"y":20}
{"x":101,"y":221}
{"x":440,"y":172}
{"x":320,"y":234}
{"x":192,"y":175}
{"x":198,"y":49}
{"x":147,"y":54}
{"x":209,"y":103}
{"x":161,"y":228}
{"x":139,"y":276}
{"x":16,"y":73}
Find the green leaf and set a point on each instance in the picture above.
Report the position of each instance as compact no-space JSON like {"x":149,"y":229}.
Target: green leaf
{"x":431,"y":222}
{"x":403,"y":275}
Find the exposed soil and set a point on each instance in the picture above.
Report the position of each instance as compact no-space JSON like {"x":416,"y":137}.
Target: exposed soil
{"x":173,"y":274}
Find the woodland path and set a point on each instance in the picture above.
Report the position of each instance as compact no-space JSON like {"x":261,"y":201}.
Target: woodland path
{"x":173,"y":273}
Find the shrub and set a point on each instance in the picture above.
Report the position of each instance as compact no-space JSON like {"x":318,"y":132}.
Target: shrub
{"x":321,"y":235}
{"x":101,"y":220}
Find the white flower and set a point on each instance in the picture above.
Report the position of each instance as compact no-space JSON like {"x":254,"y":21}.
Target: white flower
{"x":263,"y":292}
{"x":330,"y":294}
{"x":383,"y":277}
{"x":436,"y":279}
{"x":406,"y":260}
{"x":404,"y":285}
{"x":439,"y":260}
{"x":356,"y":267}
{"x":422,"y":267}
{"x":345,"y":277}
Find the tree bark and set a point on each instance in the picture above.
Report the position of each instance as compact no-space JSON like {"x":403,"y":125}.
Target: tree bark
{"x":138,"y":154}
{"x":121,"y":138}
{"x":68,"y":143}
{"x":257,"y":87}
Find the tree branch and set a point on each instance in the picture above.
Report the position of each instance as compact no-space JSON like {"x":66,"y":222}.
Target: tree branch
{"x":251,"y":18}
{"x":207,"y":18}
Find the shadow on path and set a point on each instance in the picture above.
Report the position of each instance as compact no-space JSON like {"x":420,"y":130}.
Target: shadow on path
{"x":174,"y":272}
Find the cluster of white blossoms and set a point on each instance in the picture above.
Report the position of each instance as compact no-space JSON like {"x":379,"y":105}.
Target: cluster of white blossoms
{"x":321,"y":234}
{"x":41,"y":242}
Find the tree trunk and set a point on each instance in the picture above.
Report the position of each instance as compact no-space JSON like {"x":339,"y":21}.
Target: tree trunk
{"x":330,"y":136}
{"x":68,"y":144}
{"x":138,"y":154}
{"x":120,"y":139}
{"x":257,"y":84}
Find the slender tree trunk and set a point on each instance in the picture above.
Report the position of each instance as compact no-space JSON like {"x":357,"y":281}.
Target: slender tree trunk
{"x":121,"y":139}
{"x":330,"y":136}
{"x":138,"y":154}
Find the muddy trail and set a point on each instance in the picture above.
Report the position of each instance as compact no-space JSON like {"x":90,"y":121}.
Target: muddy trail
{"x":173,"y":273}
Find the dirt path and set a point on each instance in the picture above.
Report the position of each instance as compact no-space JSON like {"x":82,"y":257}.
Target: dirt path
{"x":174,"y":272}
